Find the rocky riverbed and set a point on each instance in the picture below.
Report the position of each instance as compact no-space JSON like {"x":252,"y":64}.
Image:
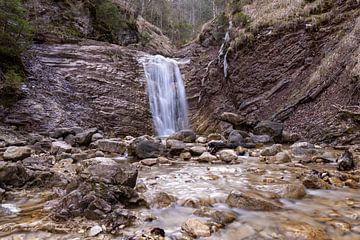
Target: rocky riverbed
{"x":77,"y":183}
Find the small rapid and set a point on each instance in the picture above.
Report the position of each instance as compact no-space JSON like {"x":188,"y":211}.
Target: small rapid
{"x":166,"y":93}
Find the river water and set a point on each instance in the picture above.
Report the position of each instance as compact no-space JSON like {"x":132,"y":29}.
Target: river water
{"x":323,"y":214}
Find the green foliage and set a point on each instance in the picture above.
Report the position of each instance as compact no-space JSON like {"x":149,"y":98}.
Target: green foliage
{"x":240,"y":19}
{"x":15,"y":31}
{"x":110,"y":20}
{"x":13,"y":81}
{"x":15,"y":36}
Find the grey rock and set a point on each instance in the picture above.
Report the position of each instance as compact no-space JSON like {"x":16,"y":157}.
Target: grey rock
{"x":16,"y":153}
{"x":59,"y":147}
{"x":95,"y":230}
{"x":13,"y":174}
{"x":111,"y":146}
{"x":175,"y":146}
{"x":236,"y":138}
{"x":197,"y":150}
{"x":272,"y":150}
{"x":146,"y":147}
{"x":227,"y":155}
{"x":84,"y":138}
{"x":261,"y":138}
{"x":273,"y":129}
{"x":251,"y":201}
{"x":187,"y":136}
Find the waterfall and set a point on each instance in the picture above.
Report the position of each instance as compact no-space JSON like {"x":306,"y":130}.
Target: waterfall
{"x":222,"y":51}
{"x":166,"y":93}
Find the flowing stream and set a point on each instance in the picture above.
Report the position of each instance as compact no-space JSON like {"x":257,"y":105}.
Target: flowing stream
{"x":167,"y":95}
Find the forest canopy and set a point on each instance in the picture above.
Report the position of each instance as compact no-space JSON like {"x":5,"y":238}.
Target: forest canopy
{"x":180,"y":20}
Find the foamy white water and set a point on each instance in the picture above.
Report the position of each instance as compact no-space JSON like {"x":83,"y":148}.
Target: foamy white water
{"x":166,"y":93}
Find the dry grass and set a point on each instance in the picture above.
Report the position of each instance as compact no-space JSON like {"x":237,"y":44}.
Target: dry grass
{"x":280,"y":12}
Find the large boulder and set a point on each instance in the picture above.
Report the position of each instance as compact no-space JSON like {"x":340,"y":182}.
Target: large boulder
{"x":303,"y":148}
{"x":187,"y":136}
{"x":102,"y":187}
{"x":251,"y":201}
{"x":207,"y":157}
{"x":196,"y":228}
{"x":273,"y":129}
{"x":61,"y":132}
{"x":111,"y":146}
{"x":227,"y":155}
{"x":235,"y":138}
{"x":59,"y":147}
{"x":175,"y":146}
{"x":13,"y":174}
{"x":272,"y":150}
{"x":17,"y":153}
{"x":263,"y":139}
{"x":146,"y":147}
{"x":84,"y":138}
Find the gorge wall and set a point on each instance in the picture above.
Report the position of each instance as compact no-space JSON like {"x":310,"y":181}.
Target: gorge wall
{"x":302,"y":72}
{"x":82,"y":71}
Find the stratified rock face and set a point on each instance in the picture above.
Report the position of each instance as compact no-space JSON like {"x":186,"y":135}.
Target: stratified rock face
{"x":294,"y":77}
{"x":90,"y":84}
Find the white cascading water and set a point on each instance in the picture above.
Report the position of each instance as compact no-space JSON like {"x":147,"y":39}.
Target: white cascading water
{"x":166,"y":93}
{"x":222,"y":49}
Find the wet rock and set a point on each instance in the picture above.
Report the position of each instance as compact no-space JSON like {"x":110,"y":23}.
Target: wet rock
{"x":261,"y":139}
{"x":227,"y":155}
{"x":149,"y":162}
{"x":99,"y":189}
{"x":163,"y":160}
{"x":146,"y":147}
{"x":111,"y":146}
{"x":346,"y":161}
{"x":96,"y":136}
{"x":251,"y":201}
{"x":207,"y":157}
{"x":235,"y":138}
{"x":196,"y":228}
{"x":312,"y":181}
{"x":300,"y":230}
{"x":303,"y":148}
{"x":221,"y":217}
{"x":186,"y":156}
{"x":16,"y":153}
{"x":197,"y":150}
{"x":291,"y":190}
{"x":340,"y":225}
{"x":187,"y":136}
{"x":13,"y":174}
{"x":163,"y":200}
{"x":110,"y":174}
{"x":95,"y":230}
{"x":215,"y":146}
{"x":281,"y":157}
{"x":335,"y":181}
{"x":84,"y":138}
{"x":59,"y":147}
{"x":215,"y":137}
{"x":175,"y":146}
{"x":201,"y":140}
{"x":272,"y":129}
{"x":272,"y":150}
{"x":240,"y":150}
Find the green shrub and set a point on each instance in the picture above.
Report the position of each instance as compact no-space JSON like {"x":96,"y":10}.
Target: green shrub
{"x":110,"y":20}
{"x":15,"y":36}
{"x":240,"y":19}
